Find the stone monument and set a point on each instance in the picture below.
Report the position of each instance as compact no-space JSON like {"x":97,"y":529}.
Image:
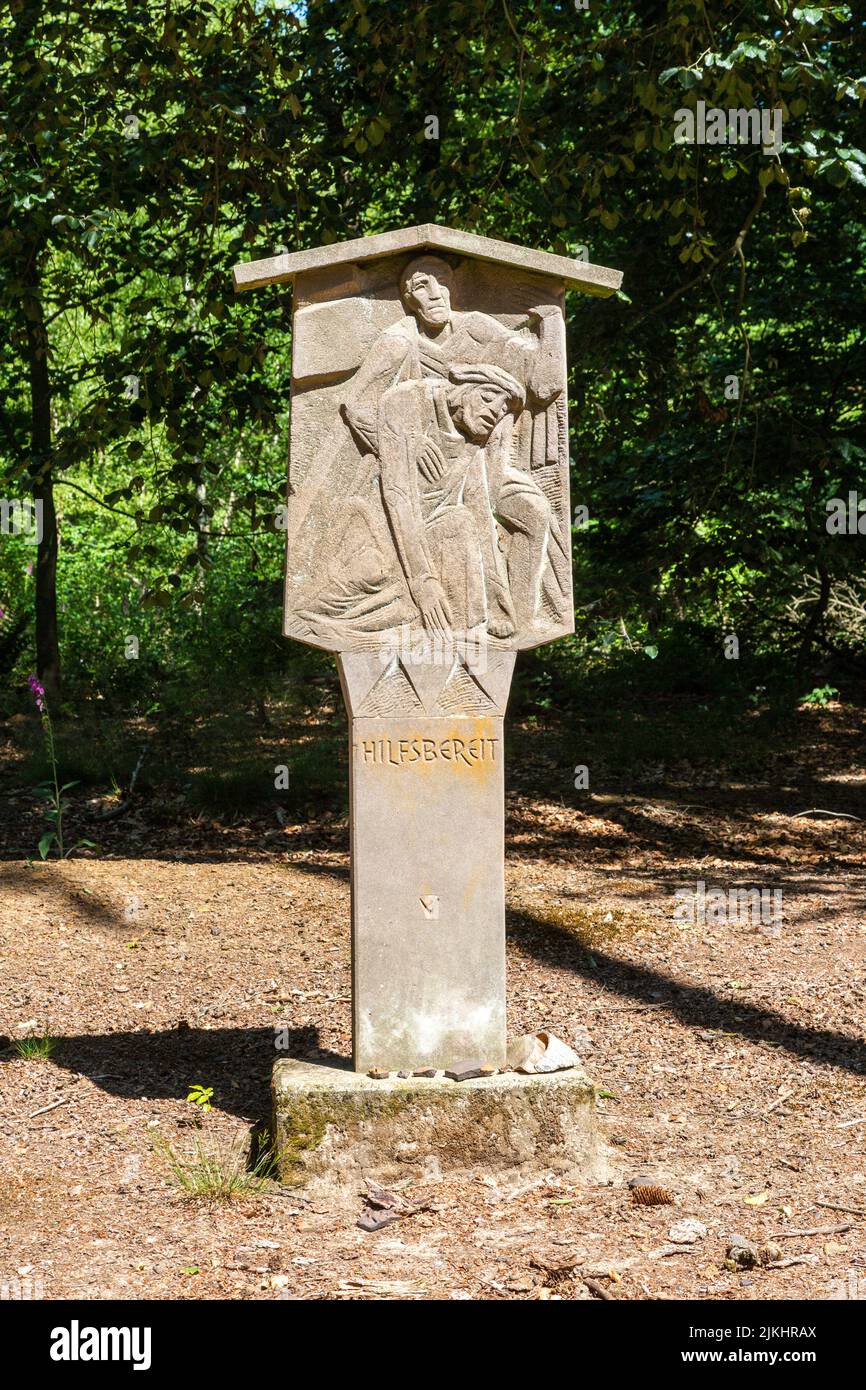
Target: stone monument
{"x":428,"y":542}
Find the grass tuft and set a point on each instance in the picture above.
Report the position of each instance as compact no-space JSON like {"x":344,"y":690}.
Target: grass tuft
{"x":35,"y":1047}
{"x":220,"y":1171}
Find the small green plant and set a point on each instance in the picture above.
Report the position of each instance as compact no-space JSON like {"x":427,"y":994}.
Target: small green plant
{"x":265,"y":1157}
{"x":202,"y":1097}
{"x":821,"y":695}
{"x":35,"y":1047}
{"x":52,"y":792}
{"x":220,"y":1171}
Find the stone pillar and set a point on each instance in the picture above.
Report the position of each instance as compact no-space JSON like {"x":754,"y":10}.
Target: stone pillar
{"x":428,"y":908}
{"x":428,"y":532}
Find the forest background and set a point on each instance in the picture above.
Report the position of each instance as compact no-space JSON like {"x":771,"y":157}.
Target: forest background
{"x":716,"y":402}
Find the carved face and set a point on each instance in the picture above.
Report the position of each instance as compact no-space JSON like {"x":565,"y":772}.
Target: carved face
{"x":480,"y":410}
{"x":429,"y":298}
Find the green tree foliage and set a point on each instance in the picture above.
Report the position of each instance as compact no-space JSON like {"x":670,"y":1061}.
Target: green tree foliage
{"x":717,"y":402}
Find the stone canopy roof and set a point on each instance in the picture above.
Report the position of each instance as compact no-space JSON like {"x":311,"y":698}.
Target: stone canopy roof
{"x":597,"y":280}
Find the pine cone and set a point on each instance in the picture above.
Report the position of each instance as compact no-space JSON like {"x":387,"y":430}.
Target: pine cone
{"x":649,"y":1195}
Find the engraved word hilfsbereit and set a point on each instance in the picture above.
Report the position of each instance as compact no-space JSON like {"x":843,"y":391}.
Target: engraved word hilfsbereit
{"x":402,"y":752}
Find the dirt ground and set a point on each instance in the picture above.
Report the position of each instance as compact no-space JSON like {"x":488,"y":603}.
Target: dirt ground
{"x":731,"y":1056}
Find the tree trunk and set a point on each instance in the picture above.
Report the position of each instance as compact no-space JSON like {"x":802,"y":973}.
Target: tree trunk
{"x":810,"y":631}
{"x":47,"y":643}
{"x":202,"y":524}
{"x":47,"y":637}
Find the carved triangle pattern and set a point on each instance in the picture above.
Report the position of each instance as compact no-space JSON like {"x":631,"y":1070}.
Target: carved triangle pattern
{"x":495,"y":682}
{"x":428,"y":679}
{"x":462,"y":695}
{"x":439,"y":692}
{"x":361,"y":673}
{"x":394,"y":695}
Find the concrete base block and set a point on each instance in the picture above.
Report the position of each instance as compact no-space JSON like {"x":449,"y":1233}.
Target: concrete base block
{"x":334,"y":1127}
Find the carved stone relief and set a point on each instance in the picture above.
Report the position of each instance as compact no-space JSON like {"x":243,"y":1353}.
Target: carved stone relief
{"x":429,"y":462}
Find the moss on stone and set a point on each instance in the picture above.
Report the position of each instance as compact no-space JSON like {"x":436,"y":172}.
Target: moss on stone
{"x":461,"y":1124}
{"x":302,"y":1119}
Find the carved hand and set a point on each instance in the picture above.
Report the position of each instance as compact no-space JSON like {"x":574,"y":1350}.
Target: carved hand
{"x":542,"y":311}
{"x":433,"y":605}
{"x":431,"y":461}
